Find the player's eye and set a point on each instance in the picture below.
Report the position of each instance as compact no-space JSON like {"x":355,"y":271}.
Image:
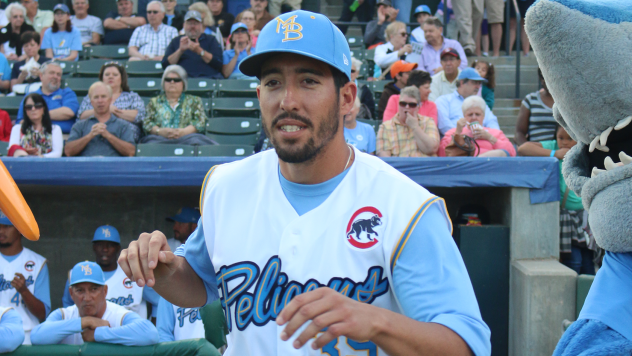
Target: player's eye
{"x":271,"y":83}
{"x":310,"y":81}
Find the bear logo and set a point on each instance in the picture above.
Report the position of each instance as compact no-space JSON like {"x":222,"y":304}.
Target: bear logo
{"x":361,"y":229}
{"x":127,"y":283}
{"x":28,"y":266}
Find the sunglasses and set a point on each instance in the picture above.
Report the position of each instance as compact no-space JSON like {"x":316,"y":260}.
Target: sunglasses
{"x":410,"y":105}
{"x":403,"y":34}
{"x":152,"y":12}
{"x":353,"y":71}
{"x":240,"y":30}
{"x":173,"y":80}
{"x":30,"y":107}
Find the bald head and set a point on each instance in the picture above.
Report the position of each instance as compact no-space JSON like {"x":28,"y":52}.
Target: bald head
{"x":100,"y":96}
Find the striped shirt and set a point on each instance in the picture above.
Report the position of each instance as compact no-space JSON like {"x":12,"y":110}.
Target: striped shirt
{"x":541,"y":121}
{"x":400,"y":140}
{"x":152,"y":43}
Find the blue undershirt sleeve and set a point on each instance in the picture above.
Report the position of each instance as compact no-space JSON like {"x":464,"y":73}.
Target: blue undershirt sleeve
{"x":42,"y":288}
{"x":151,"y":297}
{"x":166,"y":320}
{"x":432,"y":285}
{"x":66,"y":300}
{"x":134,"y":332}
{"x":54,"y":330}
{"x":11,"y":331}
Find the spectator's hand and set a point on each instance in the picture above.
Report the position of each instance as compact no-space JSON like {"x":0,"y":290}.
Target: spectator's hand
{"x":32,"y":151}
{"x":438,"y":70}
{"x":19,"y":283}
{"x":381,"y":17}
{"x":165,"y":132}
{"x":185,"y":43}
{"x":12,"y":57}
{"x":405,"y":50}
{"x":175,"y":133}
{"x":460,"y":125}
{"x":481,"y":134}
{"x":98,"y":129}
{"x":35,"y":72}
{"x":560,"y":153}
{"x":255,"y":33}
{"x":392,"y":14}
{"x":195,"y":47}
{"x":157,"y":58}
{"x":411,"y":121}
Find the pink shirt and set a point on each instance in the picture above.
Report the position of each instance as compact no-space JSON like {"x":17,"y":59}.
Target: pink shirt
{"x":427,"y":108}
{"x":503,"y":142}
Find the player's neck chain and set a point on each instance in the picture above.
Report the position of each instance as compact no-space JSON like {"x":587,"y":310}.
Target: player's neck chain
{"x":348,"y":159}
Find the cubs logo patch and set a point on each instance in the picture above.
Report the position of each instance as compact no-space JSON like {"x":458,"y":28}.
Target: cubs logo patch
{"x":361,"y":229}
{"x":127,"y":283}
{"x":28,"y":266}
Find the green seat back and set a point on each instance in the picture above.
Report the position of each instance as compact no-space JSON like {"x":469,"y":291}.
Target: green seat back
{"x":233,"y":125}
{"x":237,"y":88}
{"x":79,"y":85}
{"x":355,"y":41}
{"x":378,"y":87}
{"x":214,"y":321}
{"x":90,"y":68}
{"x":164,"y":150}
{"x":225,"y":150}
{"x":246,"y":107}
{"x":108,"y":52}
{"x":584,"y":282}
{"x":203,"y":87}
{"x":11,"y":104}
{"x":357,"y":53}
{"x":68,"y":68}
{"x":4,"y":146}
{"x":369,"y":55}
{"x":375,"y":124}
{"x":233,"y":139}
{"x":144,"y":86}
{"x":144,"y":69}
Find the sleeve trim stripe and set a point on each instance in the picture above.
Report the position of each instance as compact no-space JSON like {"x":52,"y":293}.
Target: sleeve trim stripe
{"x":5,"y":311}
{"x":409,"y":229}
{"x":206,"y":178}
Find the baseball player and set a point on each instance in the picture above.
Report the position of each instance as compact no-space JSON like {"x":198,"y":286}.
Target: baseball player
{"x":316,"y":248}
{"x":11,"y":330}
{"x":177,"y":323}
{"x":93,"y":318}
{"x":184,"y":223}
{"x":106,"y":244}
{"x":24,"y":280}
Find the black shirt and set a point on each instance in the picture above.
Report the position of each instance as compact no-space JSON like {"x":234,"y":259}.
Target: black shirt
{"x":6,"y":34}
{"x":177,"y":22}
{"x":193,"y":63}
{"x":121,"y":36}
{"x":15,"y":72}
{"x":224,"y":21}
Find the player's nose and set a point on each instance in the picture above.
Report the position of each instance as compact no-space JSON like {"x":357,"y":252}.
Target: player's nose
{"x":290,"y":102}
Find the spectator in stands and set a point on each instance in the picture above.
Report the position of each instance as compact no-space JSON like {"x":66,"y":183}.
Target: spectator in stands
{"x":184,"y":223}
{"x":420,"y":80}
{"x":120,"y":25}
{"x":375,"y":29}
{"x":364,"y":92}
{"x":175,"y":117}
{"x":359,"y":134}
{"x":62,"y":41}
{"x":4,"y":18}
{"x":62,"y":103}
{"x":198,"y":53}
{"x":408,"y":134}
{"x":5,"y":127}
{"x":172,"y":17}
{"x":247,"y":17}
{"x":450,"y":106}
{"x":452,"y":31}
{"x":223,"y":19}
{"x":39,"y":19}
{"x":103,"y":134}
{"x":422,"y":13}
{"x":275,"y":6}
{"x":126,"y":104}
{"x":208,"y":22}
{"x":435,"y":44}
{"x":535,"y":119}
{"x":489,"y":142}
{"x":241,"y":47}
{"x":11,"y":329}
{"x":486,"y":70}
{"x":91,"y":27}
{"x":399,"y":73}
{"x":523,"y":6}
{"x":10,"y":34}
{"x":5,"y":73}
{"x":149,"y":42}
{"x":262,"y":17}
{"x":396,"y":48}
{"x":36,"y":136}
{"x":23,"y":76}
{"x":93,"y":317}
{"x":364,"y":12}
{"x":444,"y":82}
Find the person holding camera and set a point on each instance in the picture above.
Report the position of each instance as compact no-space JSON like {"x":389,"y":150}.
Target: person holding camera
{"x":374,"y":33}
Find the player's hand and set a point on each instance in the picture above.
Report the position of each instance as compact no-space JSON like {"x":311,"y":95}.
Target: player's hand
{"x":88,"y":335}
{"x":91,"y":322}
{"x":148,"y":258}
{"x":326,"y":308}
{"x":19,"y":283}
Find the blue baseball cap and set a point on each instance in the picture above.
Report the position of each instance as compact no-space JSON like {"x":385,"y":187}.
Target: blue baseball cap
{"x":186,"y":215}
{"x":107,"y":233}
{"x":61,"y":7}
{"x":87,"y":272}
{"x":471,"y":74}
{"x":422,"y":8}
{"x":4,"y":220}
{"x":238,"y":25}
{"x":301,"y":32}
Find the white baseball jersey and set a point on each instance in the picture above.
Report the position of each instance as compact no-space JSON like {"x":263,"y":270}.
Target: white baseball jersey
{"x":264,"y":253}
{"x":29,"y":264}
{"x":126,"y":293}
{"x":114,"y":314}
{"x":188,"y":324}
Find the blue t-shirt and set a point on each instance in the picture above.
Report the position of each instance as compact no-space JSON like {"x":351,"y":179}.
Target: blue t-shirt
{"x":429,"y":279}
{"x":170,"y":19}
{"x":361,"y":137}
{"x":229,"y":54}
{"x":62,"y":42}
{"x":5,"y":68}
{"x":60,"y":97}
{"x":42,"y":284}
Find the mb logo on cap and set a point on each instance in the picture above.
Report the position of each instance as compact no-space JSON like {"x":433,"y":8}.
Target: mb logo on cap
{"x":291,"y":28}
{"x":86,"y":270}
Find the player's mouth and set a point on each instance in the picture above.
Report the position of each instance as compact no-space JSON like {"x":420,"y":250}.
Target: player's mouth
{"x":290,"y":128}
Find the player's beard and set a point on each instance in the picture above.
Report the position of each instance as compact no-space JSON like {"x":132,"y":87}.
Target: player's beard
{"x":326,"y":132}
{"x":5,"y":245}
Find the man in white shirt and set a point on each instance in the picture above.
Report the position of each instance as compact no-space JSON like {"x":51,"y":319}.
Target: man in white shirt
{"x":444,"y":82}
{"x":91,"y":27}
{"x":149,"y":42}
{"x":184,"y":223}
{"x":39,"y":19}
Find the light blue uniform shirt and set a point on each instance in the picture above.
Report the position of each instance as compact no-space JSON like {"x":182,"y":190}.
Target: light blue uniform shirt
{"x":42,"y":284}
{"x":11,"y":331}
{"x":430,"y":279}
{"x":229,"y":54}
{"x":62,"y":42}
{"x":166,"y":320}
{"x":5,"y":68}
{"x":450,"y":111}
{"x":361,"y":137}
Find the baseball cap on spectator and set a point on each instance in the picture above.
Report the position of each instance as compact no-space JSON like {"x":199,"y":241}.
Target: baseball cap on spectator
{"x":238,"y":25}
{"x":301,"y":32}
{"x":471,"y":74}
{"x":384,"y":3}
{"x":107,"y":233}
{"x":186,"y":215}
{"x":421,"y":9}
{"x":87,"y":272}
{"x":61,"y":7}
{"x":450,"y":52}
{"x":4,"y":220}
{"x":192,"y":14}
{"x":401,"y":66}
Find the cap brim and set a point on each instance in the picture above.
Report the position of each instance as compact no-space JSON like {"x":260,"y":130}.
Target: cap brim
{"x":87,"y":280}
{"x":251,"y":66}
{"x":99,"y":239}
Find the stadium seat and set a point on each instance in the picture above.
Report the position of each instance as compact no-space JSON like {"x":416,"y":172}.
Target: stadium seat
{"x":144,"y":69}
{"x":378,"y":88}
{"x":369,"y":54}
{"x":164,"y":150}
{"x":11,"y":104}
{"x":355,"y":41}
{"x":202,"y":87}
{"x":225,"y":150}
{"x":247,"y":107}
{"x":357,"y":53}
{"x":233,"y":125}
{"x":237,"y":88}
{"x":108,"y":52}
{"x":234,"y":139}
{"x":68,"y":68}
{"x":90,"y":68}
{"x":4,"y":146}
{"x":375,"y":124}
{"x":79,"y":85}
{"x":144,"y":86}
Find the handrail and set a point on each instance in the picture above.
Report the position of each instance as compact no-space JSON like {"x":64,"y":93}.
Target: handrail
{"x":518,"y":49}
{"x":363,"y":24}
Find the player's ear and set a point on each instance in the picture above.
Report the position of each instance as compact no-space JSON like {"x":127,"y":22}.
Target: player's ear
{"x":105,"y":289}
{"x":347,"y":94}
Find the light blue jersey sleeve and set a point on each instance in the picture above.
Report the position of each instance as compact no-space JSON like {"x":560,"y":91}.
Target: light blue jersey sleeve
{"x":196,"y":254}
{"x":166,"y":321}
{"x":432,"y":284}
{"x":55,"y":329}
{"x":151,"y":297}
{"x":42,"y":288}
{"x":66,"y":300}
{"x":134,"y":331}
{"x":11,"y":331}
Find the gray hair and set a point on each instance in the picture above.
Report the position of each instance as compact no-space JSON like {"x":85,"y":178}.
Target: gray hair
{"x":14,"y":6}
{"x":162,"y":7}
{"x":50,"y":63}
{"x":473,"y":101}
{"x":356,"y":62}
{"x":179,"y":71}
{"x":87,"y":2}
{"x":99,"y":84}
{"x":411,"y":92}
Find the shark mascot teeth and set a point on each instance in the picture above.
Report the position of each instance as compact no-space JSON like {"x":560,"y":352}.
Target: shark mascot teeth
{"x":584,"y":48}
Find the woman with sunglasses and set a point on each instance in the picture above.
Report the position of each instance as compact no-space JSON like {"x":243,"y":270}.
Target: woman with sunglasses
{"x":175,"y":117}
{"x":62,"y":41}
{"x":36,"y":135}
{"x":248,"y":18}
{"x":395,"y":49}
{"x":126,"y":104}
{"x":408,"y":134}
{"x":241,"y":47}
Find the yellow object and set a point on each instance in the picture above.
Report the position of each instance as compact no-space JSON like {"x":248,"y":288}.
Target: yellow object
{"x":14,"y":206}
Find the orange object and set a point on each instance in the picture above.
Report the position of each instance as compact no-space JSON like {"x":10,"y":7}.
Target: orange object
{"x":14,"y":206}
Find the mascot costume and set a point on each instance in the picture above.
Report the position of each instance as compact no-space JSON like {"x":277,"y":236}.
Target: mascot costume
{"x":584,"y":48}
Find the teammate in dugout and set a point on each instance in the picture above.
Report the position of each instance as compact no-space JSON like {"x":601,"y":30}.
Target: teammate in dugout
{"x":11,"y":330}
{"x":283,"y":242}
